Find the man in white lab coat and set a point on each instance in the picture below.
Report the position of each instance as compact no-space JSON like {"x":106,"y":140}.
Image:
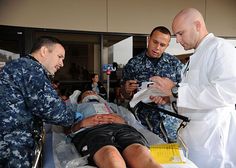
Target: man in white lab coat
{"x":206,"y":94}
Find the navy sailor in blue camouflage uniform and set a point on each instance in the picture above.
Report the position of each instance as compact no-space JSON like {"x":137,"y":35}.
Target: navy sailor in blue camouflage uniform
{"x":153,"y":62}
{"x":28,"y":99}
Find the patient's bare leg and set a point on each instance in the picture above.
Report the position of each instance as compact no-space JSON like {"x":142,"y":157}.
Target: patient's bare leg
{"x":138,"y":156}
{"x":109,"y":157}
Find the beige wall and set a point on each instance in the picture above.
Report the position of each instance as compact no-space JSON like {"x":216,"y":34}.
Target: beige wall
{"x":87,"y":15}
{"x":143,"y":15}
{"x":132,"y":16}
{"x":221,"y":17}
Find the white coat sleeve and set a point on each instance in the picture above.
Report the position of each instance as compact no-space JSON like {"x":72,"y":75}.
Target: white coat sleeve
{"x":215,"y":86}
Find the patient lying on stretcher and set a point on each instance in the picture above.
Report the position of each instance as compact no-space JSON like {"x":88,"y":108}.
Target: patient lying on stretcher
{"x":108,"y":136}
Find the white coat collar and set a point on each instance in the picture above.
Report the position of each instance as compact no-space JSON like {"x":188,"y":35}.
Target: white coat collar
{"x":205,"y":39}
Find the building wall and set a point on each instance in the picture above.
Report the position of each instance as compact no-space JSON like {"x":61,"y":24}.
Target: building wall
{"x":141,"y":16}
{"x":133,"y":16}
{"x":221,"y":17}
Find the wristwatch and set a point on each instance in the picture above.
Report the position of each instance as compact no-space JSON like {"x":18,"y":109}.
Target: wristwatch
{"x":174,"y":91}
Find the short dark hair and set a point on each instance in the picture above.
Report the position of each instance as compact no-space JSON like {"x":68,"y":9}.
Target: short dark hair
{"x":161,"y":29}
{"x":93,"y":75}
{"x":44,"y":41}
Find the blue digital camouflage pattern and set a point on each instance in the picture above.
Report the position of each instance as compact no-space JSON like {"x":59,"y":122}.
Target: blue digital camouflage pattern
{"x":27,"y":98}
{"x":140,"y":68}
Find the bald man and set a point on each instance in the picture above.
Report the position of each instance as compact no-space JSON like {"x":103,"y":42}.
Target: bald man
{"x":206,"y":94}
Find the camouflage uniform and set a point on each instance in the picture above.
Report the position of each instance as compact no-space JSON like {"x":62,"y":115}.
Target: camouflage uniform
{"x":27,"y":98}
{"x":141,"y":68}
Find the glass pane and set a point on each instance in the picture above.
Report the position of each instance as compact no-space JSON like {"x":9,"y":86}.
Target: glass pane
{"x":11,"y":42}
{"x":82,"y":59}
{"x":117,"y":49}
{"x":82,"y":55}
{"x":177,"y":50}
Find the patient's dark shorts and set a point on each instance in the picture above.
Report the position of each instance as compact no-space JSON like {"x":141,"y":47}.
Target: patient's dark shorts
{"x":92,"y":139}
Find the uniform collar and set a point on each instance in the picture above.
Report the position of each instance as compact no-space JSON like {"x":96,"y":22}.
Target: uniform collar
{"x":204,"y":40}
{"x":46,"y":72}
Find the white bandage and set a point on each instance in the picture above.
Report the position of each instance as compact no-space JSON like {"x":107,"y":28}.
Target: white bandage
{"x":74,"y":97}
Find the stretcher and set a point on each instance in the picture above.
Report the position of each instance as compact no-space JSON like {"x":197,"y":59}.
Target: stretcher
{"x":58,"y":152}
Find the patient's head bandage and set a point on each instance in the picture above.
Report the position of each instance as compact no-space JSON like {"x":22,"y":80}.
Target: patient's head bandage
{"x":90,"y":97}
{"x":93,"y":97}
{"x":74,"y":97}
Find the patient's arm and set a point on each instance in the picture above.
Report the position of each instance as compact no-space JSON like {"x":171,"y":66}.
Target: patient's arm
{"x":98,"y":119}
{"x":114,"y":118}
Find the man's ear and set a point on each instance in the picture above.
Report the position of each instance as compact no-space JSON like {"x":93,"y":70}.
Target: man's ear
{"x":43,"y":51}
{"x":198,"y":25}
{"x":148,"y":39}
